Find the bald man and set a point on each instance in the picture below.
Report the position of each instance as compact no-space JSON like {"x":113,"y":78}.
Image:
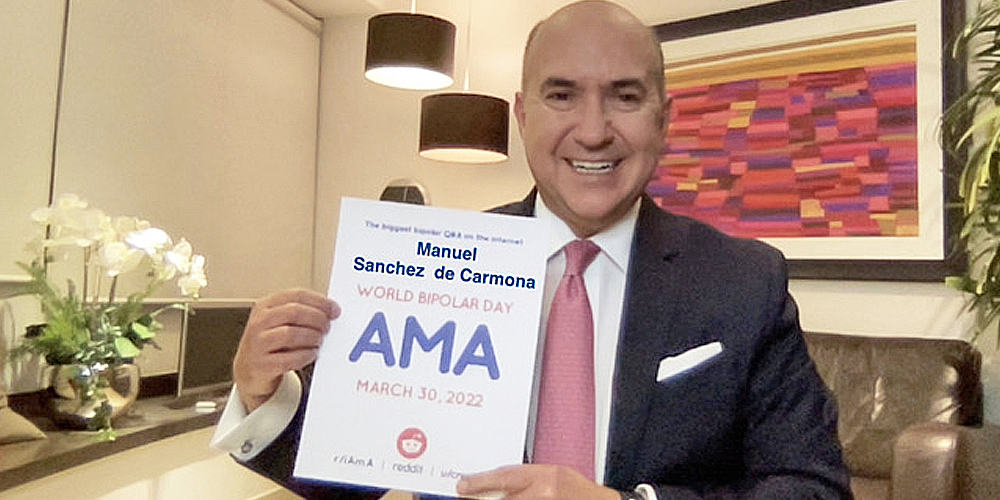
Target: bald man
{"x":749,"y":417}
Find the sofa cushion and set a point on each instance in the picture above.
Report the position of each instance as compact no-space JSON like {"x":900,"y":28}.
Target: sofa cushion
{"x":865,"y":488}
{"x":884,"y":384}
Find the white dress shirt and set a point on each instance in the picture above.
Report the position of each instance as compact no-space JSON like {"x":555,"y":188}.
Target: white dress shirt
{"x":605,"y":282}
{"x":245,"y":435}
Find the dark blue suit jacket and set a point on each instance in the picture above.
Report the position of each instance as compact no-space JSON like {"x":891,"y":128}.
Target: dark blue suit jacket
{"x":754,"y":421}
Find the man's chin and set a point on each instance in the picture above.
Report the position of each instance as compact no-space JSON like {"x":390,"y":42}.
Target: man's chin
{"x":595,"y":218}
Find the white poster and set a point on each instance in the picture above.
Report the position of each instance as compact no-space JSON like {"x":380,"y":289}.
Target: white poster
{"x":427,"y":374}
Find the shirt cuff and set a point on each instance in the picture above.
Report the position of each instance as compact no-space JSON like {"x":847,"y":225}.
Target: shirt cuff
{"x":244,"y":435}
{"x":647,"y":492}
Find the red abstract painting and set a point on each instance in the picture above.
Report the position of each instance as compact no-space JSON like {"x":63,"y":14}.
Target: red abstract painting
{"x":813,"y":139}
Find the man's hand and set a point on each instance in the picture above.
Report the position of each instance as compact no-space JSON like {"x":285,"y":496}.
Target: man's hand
{"x":283,"y":333}
{"x":535,"y":482}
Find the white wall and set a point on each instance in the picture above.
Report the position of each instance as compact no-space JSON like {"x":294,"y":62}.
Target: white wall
{"x":201,"y":117}
{"x":29,"y":62}
{"x":198,"y":116}
{"x":369,"y":136}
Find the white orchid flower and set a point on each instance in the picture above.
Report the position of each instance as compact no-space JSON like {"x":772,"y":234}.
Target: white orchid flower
{"x":68,"y":201}
{"x":69,"y":222}
{"x":96,"y":228}
{"x":192,"y":282}
{"x":126,"y":225}
{"x":42,"y":216}
{"x":60,"y":248}
{"x":118,"y":258}
{"x":68,"y":211}
{"x":177,"y":259}
{"x":73,"y":218}
{"x":113,"y":246}
{"x":150,"y":240}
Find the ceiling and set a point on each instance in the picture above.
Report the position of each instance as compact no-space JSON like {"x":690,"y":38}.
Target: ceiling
{"x":332,"y":8}
{"x":650,"y":11}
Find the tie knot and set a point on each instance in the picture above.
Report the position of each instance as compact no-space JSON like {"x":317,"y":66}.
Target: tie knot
{"x":579,"y":255}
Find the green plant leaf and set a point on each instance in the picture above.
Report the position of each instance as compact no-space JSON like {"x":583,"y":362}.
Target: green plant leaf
{"x":125,"y":349}
{"x":970,"y":133}
{"x":142,"y":331}
{"x":957,"y":283}
{"x":106,"y":435}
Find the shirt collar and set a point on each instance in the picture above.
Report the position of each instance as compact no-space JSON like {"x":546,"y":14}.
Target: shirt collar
{"x":615,"y":241}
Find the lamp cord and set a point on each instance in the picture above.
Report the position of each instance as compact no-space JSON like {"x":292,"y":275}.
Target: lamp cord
{"x":468,"y":45}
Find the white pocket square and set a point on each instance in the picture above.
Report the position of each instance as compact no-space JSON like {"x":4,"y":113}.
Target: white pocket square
{"x":672,"y":365}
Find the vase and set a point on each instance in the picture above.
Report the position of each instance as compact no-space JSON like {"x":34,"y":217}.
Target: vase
{"x":991,"y":383}
{"x":90,"y":396}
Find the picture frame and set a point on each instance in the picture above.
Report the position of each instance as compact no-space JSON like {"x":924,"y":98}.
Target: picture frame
{"x":917,"y":244}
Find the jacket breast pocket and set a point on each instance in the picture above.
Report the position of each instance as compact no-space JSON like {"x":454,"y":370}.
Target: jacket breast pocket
{"x":688,"y":361}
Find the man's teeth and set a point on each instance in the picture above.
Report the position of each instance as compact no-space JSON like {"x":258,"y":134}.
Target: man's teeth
{"x":593,"y":166}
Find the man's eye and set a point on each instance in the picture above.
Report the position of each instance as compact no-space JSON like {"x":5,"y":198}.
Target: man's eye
{"x":627,"y":100}
{"x":560,"y":99}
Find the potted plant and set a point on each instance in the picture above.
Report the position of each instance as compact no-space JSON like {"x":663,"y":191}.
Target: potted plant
{"x":970,"y":132}
{"x":93,"y":331}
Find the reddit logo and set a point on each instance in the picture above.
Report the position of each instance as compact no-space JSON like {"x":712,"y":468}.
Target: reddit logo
{"x":411,"y":443}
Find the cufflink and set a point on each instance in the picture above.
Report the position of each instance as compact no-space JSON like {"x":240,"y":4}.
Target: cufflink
{"x":641,"y":492}
{"x":646,"y":492}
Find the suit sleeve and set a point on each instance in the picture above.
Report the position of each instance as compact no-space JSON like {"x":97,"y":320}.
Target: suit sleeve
{"x":277,"y":462}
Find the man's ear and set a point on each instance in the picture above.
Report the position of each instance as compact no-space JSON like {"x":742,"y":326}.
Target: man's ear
{"x":519,"y":111}
{"x":666,"y":114}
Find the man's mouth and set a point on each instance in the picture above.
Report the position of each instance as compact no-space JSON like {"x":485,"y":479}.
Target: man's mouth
{"x":594,"y":167}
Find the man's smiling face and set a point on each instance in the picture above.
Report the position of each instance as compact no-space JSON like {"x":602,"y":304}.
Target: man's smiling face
{"x":590,"y":114}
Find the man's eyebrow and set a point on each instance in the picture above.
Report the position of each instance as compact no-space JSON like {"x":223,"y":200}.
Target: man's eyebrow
{"x":554,"y":81}
{"x":628,"y":83}
{"x":560,"y":82}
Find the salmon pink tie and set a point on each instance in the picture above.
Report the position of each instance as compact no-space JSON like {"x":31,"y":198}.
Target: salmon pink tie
{"x":564,"y":431}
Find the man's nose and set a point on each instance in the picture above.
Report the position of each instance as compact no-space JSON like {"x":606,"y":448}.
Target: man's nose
{"x":594,"y":127}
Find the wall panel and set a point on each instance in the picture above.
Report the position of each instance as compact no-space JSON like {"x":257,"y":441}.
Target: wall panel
{"x":201,"y":117}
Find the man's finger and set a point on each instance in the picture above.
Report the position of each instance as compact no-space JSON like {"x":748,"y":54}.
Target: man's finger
{"x":290,"y":338}
{"x":301,"y":296}
{"x":505,"y":479}
{"x":292,"y":314}
{"x":291,"y":360}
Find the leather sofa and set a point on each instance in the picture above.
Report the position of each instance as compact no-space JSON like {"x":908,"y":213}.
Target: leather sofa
{"x":910,"y":416}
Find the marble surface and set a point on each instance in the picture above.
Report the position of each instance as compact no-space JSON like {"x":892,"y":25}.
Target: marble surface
{"x":147,"y":421}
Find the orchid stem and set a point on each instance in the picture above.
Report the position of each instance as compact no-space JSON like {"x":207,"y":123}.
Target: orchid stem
{"x":86,"y":276}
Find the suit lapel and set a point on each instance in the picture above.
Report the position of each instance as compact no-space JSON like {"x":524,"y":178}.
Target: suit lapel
{"x":658,"y":241}
{"x":524,"y":208}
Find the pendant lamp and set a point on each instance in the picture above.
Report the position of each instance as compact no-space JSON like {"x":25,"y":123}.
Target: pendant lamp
{"x":410,"y":51}
{"x":464,"y":127}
